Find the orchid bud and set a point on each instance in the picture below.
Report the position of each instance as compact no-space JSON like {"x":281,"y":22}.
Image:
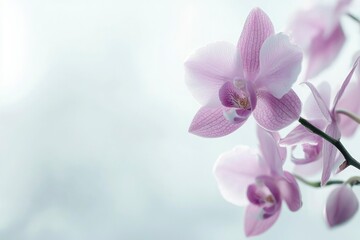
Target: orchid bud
{"x":341,"y":205}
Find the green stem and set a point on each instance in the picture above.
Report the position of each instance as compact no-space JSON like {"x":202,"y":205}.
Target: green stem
{"x":350,"y":115}
{"x":353,"y":17}
{"x":349,"y":159}
{"x":317,"y":184}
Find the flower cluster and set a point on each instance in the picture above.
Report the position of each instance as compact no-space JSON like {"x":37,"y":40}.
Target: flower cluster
{"x":255,"y":77}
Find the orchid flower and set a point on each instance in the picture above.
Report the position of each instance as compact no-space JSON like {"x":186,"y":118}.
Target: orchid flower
{"x":341,"y":205}
{"x":319,"y":32}
{"x":328,"y":122}
{"x":245,"y":176}
{"x":256,"y":76}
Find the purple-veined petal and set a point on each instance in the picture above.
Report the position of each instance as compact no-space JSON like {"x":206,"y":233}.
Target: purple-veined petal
{"x":209,"y":68}
{"x":329,"y":152}
{"x":235,"y":171}
{"x":256,"y":29}
{"x":290,"y":191}
{"x":274,"y":114}
{"x":280,"y":65}
{"x":347,"y":125}
{"x":343,"y":87}
{"x":254,"y":224}
{"x":211,"y":122}
{"x":270,"y":150}
{"x":341,"y":205}
{"x":324,"y":50}
{"x":324,"y":108}
{"x":238,"y":94}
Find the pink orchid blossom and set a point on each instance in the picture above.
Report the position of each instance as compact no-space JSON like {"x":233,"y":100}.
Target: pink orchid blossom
{"x":245,"y":176}
{"x":319,"y":32}
{"x":341,"y":205}
{"x":327,"y":120}
{"x":256,"y":76}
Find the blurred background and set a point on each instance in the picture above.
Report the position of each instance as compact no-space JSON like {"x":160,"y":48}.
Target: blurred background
{"x":94,"y":115}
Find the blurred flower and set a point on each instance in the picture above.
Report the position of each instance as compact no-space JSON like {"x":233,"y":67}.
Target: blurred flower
{"x":257,"y":179}
{"x":256,"y":76}
{"x":341,"y":205}
{"x":319,"y":32}
{"x":327,"y":120}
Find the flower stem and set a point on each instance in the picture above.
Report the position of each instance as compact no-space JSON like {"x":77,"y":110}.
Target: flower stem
{"x":349,"y":159}
{"x":353,"y":17}
{"x":317,"y":184}
{"x":350,"y":115}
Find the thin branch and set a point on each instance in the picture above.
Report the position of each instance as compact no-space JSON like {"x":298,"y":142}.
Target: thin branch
{"x":353,"y":17}
{"x":350,"y":115}
{"x":317,"y":184}
{"x":349,"y":159}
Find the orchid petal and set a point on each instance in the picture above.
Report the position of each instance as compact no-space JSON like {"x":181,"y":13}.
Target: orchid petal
{"x":290,"y":191}
{"x":320,"y":102}
{"x":311,"y":108}
{"x":329,"y":152}
{"x":343,"y":87}
{"x":270,"y":151}
{"x":342,"y":5}
{"x":235,"y":171}
{"x":209,"y":68}
{"x":308,"y":169}
{"x":254,"y":224}
{"x":342,"y":204}
{"x":256,"y":29}
{"x":300,"y":135}
{"x":210,"y":122}
{"x":311,"y":153}
{"x":274,"y":114}
{"x":347,"y":103}
{"x":324,"y":50}
{"x":280,"y":65}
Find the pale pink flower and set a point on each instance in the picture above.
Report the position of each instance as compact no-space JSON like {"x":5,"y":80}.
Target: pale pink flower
{"x":341,"y":205}
{"x":319,"y":32}
{"x":245,"y":176}
{"x":326,"y":119}
{"x":256,"y":76}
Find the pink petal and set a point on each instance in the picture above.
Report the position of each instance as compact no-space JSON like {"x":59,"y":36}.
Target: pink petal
{"x":256,"y":29}
{"x":347,"y":103}
{"x":210,"y":122}
{"x":324,"y":50}
{"x":342,"y":204}
{"x":311,"y":108}
{"x":209,"y":68}
{"x":274,"y":114}
{"x":324,"y":108}
{"x":235,"y":171}
{"x":290,"y":191}
{"x":342,"y":6}
{"x":280,"y":65}
{"x":308,"y":169}
{"x":343,"y":87}
{"x":300,"y":135}
{"x":329,"y":152}
{"x":270,"y":150}
{"x":254,"y":224}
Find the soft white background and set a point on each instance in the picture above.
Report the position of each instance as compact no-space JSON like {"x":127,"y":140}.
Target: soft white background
{"x":94,"y":115}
